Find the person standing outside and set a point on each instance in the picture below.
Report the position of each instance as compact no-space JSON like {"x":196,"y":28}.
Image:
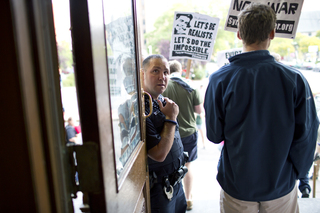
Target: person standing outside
{"x":71,"y":133}
{"x":189,"y":101}
{"x":164,"y":147}
{"x":265,"y":114}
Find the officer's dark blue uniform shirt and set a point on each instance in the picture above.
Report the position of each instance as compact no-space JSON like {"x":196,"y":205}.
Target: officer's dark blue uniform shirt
{"x":154,"y":126}
{"x":265,"y":113}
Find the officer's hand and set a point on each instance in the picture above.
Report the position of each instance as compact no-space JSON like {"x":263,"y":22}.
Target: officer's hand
{"x":170,"y":110}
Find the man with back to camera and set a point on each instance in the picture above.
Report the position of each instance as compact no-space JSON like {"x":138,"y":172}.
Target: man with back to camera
{"x":265,"y":114}
{"x":164,"y":147}
{"x":189,"y":102}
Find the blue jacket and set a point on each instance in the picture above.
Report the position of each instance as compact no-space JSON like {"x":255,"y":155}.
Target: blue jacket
{"x":265,"y":113}
{"x":154,"y":126}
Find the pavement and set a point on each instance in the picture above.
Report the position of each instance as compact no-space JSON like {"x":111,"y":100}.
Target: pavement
{"x":206,"y":189}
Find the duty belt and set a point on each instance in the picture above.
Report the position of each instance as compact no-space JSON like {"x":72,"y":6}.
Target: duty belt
{"x":169,"y":181}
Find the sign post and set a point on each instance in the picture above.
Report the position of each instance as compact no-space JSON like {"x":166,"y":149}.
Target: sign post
{"x":188,"y":68}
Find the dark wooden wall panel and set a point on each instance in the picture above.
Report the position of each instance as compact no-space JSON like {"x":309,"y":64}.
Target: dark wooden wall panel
{"x":16,"y":189}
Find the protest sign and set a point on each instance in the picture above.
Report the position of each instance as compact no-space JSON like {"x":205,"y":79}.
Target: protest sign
{"x":287,"y":11}
{"x":193,"y":36}
{"x":223,"y":56}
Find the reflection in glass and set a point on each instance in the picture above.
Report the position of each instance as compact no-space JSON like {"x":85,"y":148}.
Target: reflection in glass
{"x":123,"y":81}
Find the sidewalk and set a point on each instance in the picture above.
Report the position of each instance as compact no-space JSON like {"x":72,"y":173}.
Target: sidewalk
{"x":206,"y":189}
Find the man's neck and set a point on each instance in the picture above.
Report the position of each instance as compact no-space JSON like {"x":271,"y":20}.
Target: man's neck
{"x":257,"y":46}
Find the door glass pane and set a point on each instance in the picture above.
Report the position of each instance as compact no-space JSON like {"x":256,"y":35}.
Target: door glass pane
{"x":119,"y":31}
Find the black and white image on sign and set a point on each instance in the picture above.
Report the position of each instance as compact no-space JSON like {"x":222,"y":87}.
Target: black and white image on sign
{"x":181,"y":23}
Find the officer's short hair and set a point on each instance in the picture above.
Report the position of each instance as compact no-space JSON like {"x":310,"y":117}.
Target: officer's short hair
{"x":255,"y":22}
{"x":146,"y":61}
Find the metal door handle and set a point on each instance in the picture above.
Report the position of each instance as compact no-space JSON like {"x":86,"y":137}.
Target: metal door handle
{"x":150,"y":105}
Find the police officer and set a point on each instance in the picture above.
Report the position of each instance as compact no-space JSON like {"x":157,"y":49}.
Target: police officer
{"x":164,"y":146}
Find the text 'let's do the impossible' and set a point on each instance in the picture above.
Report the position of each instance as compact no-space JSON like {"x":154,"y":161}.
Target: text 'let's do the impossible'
{"x":201,"y":30}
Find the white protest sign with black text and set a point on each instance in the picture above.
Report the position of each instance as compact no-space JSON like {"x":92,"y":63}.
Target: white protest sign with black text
{"x":287,"y":11}
{"x":193,"y":36}
{"x":223,"y":56}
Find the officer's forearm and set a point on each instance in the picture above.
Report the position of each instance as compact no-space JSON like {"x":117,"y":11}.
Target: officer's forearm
{"x":161,"y":150}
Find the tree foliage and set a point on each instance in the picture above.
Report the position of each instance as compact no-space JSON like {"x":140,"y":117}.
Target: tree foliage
{"x":199,"y":73}
{"x":65,"y":55}
{"x":69,"y":81}
{"x":163,"y":26}
{"x":160,"y":37}
{"x":307,"y":41}
{"x":282,"y":46}
{"x":162,"y":31}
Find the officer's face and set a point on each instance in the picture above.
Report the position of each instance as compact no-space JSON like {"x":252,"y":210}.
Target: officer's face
{"x":156,"y":77}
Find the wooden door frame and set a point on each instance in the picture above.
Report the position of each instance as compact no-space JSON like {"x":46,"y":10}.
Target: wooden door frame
{"x":42,"y":130}
{"x":92,"y":80}
{"x":37,"y":68}
{"x":87,"y":89}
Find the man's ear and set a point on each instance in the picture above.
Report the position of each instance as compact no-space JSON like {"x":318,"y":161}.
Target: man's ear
{"x":238,"y":35}
{"x":272,"y":34}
